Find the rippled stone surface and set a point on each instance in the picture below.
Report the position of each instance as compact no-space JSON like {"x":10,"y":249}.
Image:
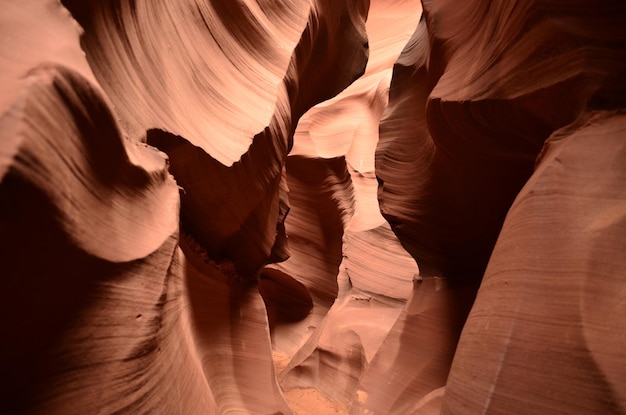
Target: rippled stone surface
{"x":325,"y":206}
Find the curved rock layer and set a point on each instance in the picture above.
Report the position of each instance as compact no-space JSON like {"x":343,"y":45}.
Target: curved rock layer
{"x":474,"y":97}
{"x":321,"y":196}
{"x":130,"y":325}
{"x":548,"y":321}
{"x":189,"y":187}
{"x":231,"y":209}
{"x":209,"y":71}
{"x":89,"y":253}
{"x":489,"y":99}
{"x":344,"y":249}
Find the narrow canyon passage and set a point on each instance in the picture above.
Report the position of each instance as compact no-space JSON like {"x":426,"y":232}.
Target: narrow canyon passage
{"x":313,"y":207}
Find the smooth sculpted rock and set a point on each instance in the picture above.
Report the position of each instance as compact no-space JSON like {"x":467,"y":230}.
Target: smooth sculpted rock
{"x":207,"y":70}
{"x":113,"y":317}
{"x":234,"y":206}
{"x":217,"y":206}
{"x":89,"y":226}
{"x":474,"y":97}
{"x":546,"y":331}
{"x":356,"y":261}
{"x":495,"y":82}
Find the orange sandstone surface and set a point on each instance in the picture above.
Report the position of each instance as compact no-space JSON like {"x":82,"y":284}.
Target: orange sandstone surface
{"x":313,"y":207}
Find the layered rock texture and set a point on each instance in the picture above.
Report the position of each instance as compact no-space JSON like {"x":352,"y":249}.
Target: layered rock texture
{"x":313,"y":206}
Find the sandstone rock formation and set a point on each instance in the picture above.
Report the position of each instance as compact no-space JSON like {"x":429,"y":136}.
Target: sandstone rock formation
{"x":493,"y":84}
{"x":207,"y":206}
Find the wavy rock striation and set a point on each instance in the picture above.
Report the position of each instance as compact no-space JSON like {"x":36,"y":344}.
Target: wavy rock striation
{"x":132,"y":326}
{"x":371,"y":276}
{"x":489,"y":99}
{"x":189,"y":189}
{"x":231,"y":209}
{"x":89,"y":253}
{"x":476,"y":103}
{"x":547,"y":318}
{"x":209,"y":71}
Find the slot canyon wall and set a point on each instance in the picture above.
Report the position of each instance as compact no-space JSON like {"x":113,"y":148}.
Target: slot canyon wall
{"x":313,"y":206}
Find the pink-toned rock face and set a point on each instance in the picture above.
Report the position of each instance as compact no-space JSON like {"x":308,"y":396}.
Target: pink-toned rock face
{"x":552,"y":303}
{"x":310,"y":207}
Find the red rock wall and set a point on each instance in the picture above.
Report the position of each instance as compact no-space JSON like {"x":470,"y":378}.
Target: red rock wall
{"x":190,"y":190}
{"x":114,"y":317}
{"x":499,"y":117}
